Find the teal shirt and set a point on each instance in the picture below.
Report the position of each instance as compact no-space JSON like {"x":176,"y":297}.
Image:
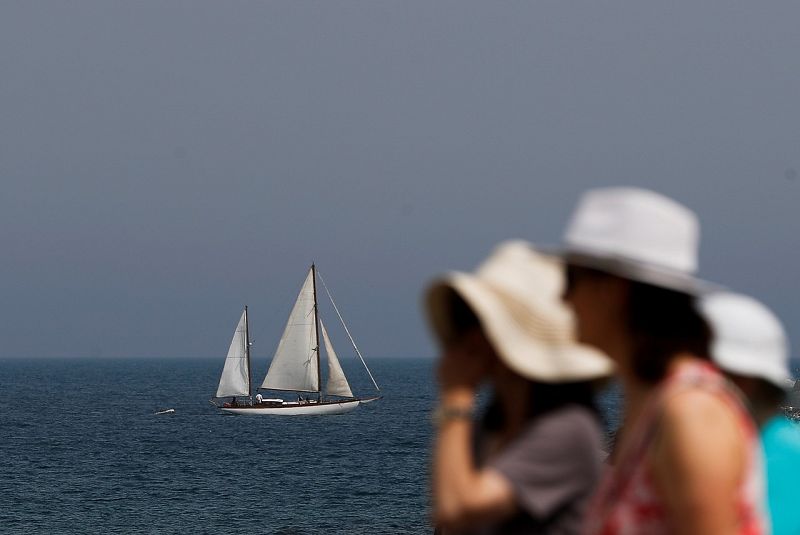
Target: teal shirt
{"x":781,"y":440}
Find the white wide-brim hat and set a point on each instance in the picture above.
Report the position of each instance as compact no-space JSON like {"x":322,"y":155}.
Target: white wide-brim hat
{"x":749,"y":339}
{"x":516,"y":296}
{"x":636,"y":234}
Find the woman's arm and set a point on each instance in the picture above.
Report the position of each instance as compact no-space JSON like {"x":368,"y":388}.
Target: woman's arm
{"x":698,"y":463}
{"x":463,"y":494}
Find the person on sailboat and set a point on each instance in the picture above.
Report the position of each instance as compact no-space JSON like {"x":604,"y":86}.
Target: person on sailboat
{"x":686,"y":458}
{"x":531,"y":461}
{"x":750,"y":346}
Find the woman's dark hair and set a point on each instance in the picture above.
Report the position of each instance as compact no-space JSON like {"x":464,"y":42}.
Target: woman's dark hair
{"x":544,"y":398}
{"x":767,"y":396}
{"x":663,"y":323}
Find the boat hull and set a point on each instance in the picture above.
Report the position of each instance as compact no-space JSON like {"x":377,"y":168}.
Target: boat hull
{"x":310,"y":409}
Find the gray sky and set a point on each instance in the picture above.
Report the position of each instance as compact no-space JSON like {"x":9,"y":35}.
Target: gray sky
{"x":164,"y":163}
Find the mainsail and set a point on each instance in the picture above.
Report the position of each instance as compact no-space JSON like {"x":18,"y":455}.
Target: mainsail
{"x":235,"y":379}
{"x":294,"y":366}
{"x":337,"y":382}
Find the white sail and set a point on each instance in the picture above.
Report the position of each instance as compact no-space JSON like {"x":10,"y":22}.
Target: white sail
{"x":235,"y":379}
{"x":294,"y":366}
{"x":337,"y":382}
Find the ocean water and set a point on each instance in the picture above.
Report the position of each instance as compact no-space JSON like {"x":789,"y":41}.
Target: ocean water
{"x":83,"y":452}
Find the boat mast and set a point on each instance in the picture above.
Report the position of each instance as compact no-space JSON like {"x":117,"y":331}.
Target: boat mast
{"x":247,"y":352}
{"x":316,"y":328}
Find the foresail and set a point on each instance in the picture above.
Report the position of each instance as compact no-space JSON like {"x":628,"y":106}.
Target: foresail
{"x":294,"y":366}
{"x":235,"y":377}
{"x":337,"y":382}
{"x":360,"y":356}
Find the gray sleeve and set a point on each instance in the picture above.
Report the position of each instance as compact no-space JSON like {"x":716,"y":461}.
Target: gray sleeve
{"x":555,"y":460}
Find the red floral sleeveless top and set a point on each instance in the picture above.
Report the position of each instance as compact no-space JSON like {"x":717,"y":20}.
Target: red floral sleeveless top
{"x":627,"y":503}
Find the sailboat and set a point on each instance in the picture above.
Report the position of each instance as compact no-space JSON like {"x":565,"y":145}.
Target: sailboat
{"x":295,"y":367}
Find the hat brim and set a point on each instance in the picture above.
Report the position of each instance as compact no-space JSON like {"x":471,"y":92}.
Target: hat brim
{"x":632,"y":269}
{"x":734,"y":360}
{"x":543,"y":358}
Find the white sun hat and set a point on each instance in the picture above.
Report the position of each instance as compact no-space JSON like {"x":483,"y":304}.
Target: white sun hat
{"x":636,"y":234}
{"x":516,"y":296}
{"x":749,"y":339}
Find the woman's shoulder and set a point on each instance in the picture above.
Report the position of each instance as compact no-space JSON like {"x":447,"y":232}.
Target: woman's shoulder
{"x":562,"y":445}
{"x":701,"y":437}
{"x":697,"y":404}
{"x":574,"y":426}
{"x":699,"y":395}
{"x":699,"y":419}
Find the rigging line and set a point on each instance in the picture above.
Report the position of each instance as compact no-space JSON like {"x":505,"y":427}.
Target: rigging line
{"x":347,"y":330}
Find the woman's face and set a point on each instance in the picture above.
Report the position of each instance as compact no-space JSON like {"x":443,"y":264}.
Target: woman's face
{"x":598,"y":301}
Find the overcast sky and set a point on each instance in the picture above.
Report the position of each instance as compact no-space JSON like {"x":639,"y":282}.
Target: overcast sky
{"x":163,"y":163}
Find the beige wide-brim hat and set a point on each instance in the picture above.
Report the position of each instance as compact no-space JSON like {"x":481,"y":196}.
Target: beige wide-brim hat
{"x":516,"y":296}
{"x":636,"y":234}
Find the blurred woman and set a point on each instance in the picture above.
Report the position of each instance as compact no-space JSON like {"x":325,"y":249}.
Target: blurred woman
{"x":687,"y":457}
{"x":531,"y":461}
{"x":751,"y":347}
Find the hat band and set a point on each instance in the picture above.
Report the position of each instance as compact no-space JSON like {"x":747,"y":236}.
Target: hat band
{"x":640,"y":271}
